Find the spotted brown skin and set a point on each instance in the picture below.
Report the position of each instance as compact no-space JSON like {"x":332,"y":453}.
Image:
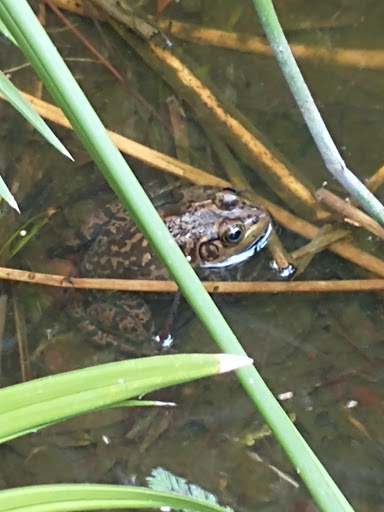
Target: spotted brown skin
{"x":215,"y":228}
{"x":220,"y":231}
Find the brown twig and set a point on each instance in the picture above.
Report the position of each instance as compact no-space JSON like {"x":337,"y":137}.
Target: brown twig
{"x":130,"y":147}
{"x":350,"y":212}
{"x":85,"y":42}
{"x":325,"y":236}
{"x":332,"y":381}
{"x":180,"y":129}
{"x":243,"y":42}
{"x":79,"y":7}
{"x":321,"y":242}
{"x":135,"y":285}
{"x":376,"y":180}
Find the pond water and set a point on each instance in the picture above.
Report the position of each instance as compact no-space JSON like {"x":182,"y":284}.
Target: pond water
{"x":321,"y":354}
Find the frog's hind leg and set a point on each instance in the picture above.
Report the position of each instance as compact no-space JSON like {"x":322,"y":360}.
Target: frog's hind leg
{"x":121,"y":320}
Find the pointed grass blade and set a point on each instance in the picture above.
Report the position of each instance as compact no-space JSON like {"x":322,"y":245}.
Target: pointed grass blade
{"x":32,"y":405}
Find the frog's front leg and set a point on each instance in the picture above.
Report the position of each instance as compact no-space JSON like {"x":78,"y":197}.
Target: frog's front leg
{"x":122,"y":320}
{"x":281,"y":261}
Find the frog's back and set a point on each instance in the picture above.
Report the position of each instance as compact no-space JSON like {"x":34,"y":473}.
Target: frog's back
{"x":119,"y":249}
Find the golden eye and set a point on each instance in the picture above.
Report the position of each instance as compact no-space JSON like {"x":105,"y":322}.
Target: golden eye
{"x":233,"y":234}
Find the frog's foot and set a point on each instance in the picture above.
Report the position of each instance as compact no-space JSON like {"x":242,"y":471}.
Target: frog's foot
{"x":286,"y":272}
{"x":124,"y":322}
{"x":165,"y":338}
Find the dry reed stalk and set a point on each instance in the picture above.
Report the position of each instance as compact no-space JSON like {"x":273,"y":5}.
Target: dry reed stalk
{"x":180,"y":129}
{"x":320,"y":242}
{"x":349,"y":211}
{"x":135,"y":285}
{"x":243,"y":42}
{"x":130,"y":147}
{"x":376,"y":180}
{"x":240,"y":135}
{"x":249,"y":43}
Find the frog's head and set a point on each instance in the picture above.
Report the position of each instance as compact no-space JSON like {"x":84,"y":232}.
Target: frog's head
{"x":221,"y":231}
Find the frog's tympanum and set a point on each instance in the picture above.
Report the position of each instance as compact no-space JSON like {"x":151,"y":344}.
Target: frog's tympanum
{"x":215,"y":228}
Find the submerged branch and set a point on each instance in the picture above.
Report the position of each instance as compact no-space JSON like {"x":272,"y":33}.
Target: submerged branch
{"x":243,"y":42}
{"x":349,"y":212}
{"x":137,"y":285}
{"x":130,"y":147}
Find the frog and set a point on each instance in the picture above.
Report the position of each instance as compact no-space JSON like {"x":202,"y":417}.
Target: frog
{"x":216,"y":228}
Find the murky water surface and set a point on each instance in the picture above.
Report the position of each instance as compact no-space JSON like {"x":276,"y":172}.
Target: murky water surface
{"x":321,"y":354}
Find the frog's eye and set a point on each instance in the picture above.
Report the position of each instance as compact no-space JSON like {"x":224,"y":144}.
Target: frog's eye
{"x":233,"y":234}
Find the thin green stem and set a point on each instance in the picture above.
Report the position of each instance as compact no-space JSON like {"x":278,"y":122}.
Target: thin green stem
{"x":327,"y":148}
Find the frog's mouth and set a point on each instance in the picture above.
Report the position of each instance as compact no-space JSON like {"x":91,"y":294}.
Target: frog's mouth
{"x":263,"y":239}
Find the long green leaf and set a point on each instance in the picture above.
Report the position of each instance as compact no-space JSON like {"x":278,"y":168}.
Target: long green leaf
{"x":41,"y":402}
{"x":39,"y":50}
{"x":11,"y":94}
{"x":71,"y":497}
